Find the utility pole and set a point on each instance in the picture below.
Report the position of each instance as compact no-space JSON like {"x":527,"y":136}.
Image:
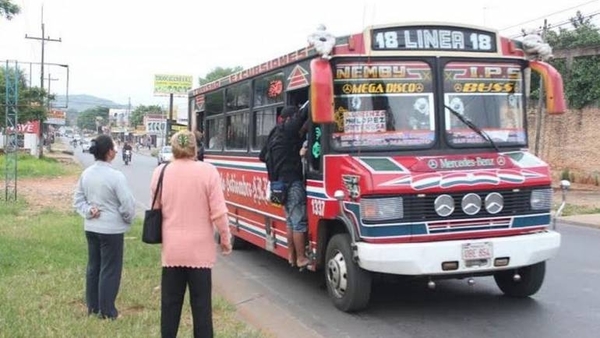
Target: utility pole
{"x":11,"y":133}
{"x":540,"y":110}
{"x":43,"y":39}
{"x":50,"y":78}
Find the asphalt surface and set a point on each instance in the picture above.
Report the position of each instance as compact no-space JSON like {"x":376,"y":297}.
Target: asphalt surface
{"x":295,"y":304}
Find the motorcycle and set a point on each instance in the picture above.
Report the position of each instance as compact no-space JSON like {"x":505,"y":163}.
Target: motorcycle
{"x":127,"y":157}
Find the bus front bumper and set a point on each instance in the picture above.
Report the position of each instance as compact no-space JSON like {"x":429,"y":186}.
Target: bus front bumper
{"x":427,"y":258}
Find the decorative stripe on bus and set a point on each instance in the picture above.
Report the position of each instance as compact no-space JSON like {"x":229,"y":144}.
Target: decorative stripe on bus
{"x":259,"y":232}
{"x":236,"y":164}
{"x":400,"y":230}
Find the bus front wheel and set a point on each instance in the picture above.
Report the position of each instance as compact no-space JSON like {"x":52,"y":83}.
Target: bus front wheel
{"x":530,"y":281}
{"x":348,"y":285}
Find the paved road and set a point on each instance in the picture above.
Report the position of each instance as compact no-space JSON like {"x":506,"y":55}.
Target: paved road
{"x":568,"y":305}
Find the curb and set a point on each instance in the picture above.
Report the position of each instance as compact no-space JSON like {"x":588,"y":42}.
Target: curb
{"x":576,"y":223}
{"x":253,"y":305}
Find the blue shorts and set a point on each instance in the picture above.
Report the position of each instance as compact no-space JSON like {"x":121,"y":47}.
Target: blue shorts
{"x":295,"y":207}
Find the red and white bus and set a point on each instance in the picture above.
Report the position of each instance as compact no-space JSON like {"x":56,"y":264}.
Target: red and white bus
{"x":417,"y":159}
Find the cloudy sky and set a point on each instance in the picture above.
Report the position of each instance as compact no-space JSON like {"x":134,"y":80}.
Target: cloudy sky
{"x":114,"y":47}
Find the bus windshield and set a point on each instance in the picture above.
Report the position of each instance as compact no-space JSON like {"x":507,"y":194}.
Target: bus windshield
{"x":489,"y":95}
{"x":383,"y":105}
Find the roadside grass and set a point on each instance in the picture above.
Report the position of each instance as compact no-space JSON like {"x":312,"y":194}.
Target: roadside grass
{"x":30,"y":166}
{"x":572,"y":209}
{"x":42,"y":277}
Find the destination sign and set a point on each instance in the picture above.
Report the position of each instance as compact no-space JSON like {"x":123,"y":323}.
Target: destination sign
{"x":433,"y":38}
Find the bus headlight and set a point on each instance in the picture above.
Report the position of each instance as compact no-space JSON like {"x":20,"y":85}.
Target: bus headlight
{"x":381,"y":209}
{"x":541,"y":199}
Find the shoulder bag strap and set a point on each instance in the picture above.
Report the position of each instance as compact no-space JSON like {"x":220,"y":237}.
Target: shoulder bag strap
{"x":159,"y":185}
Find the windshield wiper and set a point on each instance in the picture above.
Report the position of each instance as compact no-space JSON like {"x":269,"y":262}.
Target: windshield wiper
{"x":473,"y":127}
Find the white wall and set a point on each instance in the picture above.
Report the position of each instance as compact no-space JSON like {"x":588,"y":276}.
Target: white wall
{"x":30,"y":142}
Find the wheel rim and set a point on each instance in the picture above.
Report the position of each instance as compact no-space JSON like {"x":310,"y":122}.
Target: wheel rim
{"x":337,"y":274}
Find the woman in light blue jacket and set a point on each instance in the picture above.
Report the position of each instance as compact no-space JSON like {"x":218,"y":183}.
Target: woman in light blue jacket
{"x":105,"y":202}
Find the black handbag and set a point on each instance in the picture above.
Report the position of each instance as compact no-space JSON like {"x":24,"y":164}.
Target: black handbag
{"x":152,"y":229}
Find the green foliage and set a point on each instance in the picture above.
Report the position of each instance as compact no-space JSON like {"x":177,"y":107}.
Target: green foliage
{"x":218,"y":73}
{"x":30,"y":99}
{"x":8,"y":9}
{"x":42,"y":263}
{"x":137,"y":116}
{"x":565,"y":174}
{"x":87,"y":119}
{"x":581,"y":84}
{"x":29,"y":166}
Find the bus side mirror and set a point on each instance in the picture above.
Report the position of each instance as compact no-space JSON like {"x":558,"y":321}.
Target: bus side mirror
{"x":321,"y":91}
{"x":553,"y":87}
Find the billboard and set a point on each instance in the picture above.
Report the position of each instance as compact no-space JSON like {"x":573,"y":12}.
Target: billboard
{"x":119,"y":117}
{"x":178,"y":85}
{"x":56,"y":116}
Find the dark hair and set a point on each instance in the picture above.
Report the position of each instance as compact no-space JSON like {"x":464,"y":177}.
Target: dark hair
{"x":289,"y":111}
{"x":100,"y":147}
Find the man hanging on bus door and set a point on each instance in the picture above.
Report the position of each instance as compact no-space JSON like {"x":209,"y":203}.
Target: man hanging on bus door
{"x":281,"y":153}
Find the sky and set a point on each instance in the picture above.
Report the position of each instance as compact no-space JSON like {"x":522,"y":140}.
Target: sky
{"x":115,"y":47}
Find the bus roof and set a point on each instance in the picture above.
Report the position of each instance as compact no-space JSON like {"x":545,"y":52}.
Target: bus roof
{"x":418,"y":38}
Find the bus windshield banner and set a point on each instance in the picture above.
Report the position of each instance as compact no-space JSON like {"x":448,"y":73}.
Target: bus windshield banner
{"x":438,"y":38}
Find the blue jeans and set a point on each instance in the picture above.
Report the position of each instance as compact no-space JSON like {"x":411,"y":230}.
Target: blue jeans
{"x":103,"y":277}
{"x":295,"y":206}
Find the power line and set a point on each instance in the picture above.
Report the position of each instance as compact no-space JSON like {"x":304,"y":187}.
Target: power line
{"x":547,"y":15}
{"x":560,"y":24}
{"x":43,"y":39}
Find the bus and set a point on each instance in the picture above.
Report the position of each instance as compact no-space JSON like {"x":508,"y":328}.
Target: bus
{"x":417,"y":161}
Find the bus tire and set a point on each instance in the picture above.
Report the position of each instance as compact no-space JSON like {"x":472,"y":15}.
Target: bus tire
{"x":532,"y":278}
{"x":348,"y":285}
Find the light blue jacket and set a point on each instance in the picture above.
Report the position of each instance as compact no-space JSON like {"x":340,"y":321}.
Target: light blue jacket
{"x":105,"y":188}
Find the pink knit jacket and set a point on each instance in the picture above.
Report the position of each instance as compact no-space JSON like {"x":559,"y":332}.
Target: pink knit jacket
{"x":192,"y":201}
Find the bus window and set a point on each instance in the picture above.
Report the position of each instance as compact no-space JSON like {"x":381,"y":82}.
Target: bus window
{"x":215,"y":135}
{"x":237,"y":131}
{"x":264,"y":121}
{"x":488,"y":94}
{"x":379,"y":105}
{"x":238,"y":97}
{"x":268,"y":90}
{"x":214,"y":103}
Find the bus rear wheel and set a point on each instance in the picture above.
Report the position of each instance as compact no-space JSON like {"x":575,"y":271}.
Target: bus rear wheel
{"x":530,"y":281}
{"x":348,"y":285}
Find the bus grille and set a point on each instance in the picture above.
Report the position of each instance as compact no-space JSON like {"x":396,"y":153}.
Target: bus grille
{"x":420,"y":208}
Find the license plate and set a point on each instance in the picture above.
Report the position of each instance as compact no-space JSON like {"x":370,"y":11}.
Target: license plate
{"x":477,"y":251}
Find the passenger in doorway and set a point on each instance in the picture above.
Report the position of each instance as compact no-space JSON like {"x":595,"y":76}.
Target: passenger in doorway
{"x":199,"y":145}
{"x":284,"y":164}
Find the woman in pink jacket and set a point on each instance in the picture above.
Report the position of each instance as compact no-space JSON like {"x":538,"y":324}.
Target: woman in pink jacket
{"x":192,"y":202}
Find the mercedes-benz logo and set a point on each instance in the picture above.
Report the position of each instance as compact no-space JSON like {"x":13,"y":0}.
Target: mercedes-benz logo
{"x":471,"y":204}
{"x":432,"y":163}
{"x":494,"y":203}
{"x":444,"y":205}
{"x":501,"y":160}
{"x":347,"y":88}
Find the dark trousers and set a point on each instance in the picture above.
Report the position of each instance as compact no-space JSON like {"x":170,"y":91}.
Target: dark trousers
{"x":173,"y":286}
{"x":103,"y":278}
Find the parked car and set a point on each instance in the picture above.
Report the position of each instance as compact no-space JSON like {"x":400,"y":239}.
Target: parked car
{"x":164,"y":155}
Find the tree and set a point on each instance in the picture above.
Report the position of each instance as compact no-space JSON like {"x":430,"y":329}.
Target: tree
{"x":137,"y":116}
{"x":87,"y":118}
{"x":218,"y":73}
{"x":8,"y":9}
{"x":583,"y":33}
{"x":31,"y":99}
{"x":581,"y":78}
